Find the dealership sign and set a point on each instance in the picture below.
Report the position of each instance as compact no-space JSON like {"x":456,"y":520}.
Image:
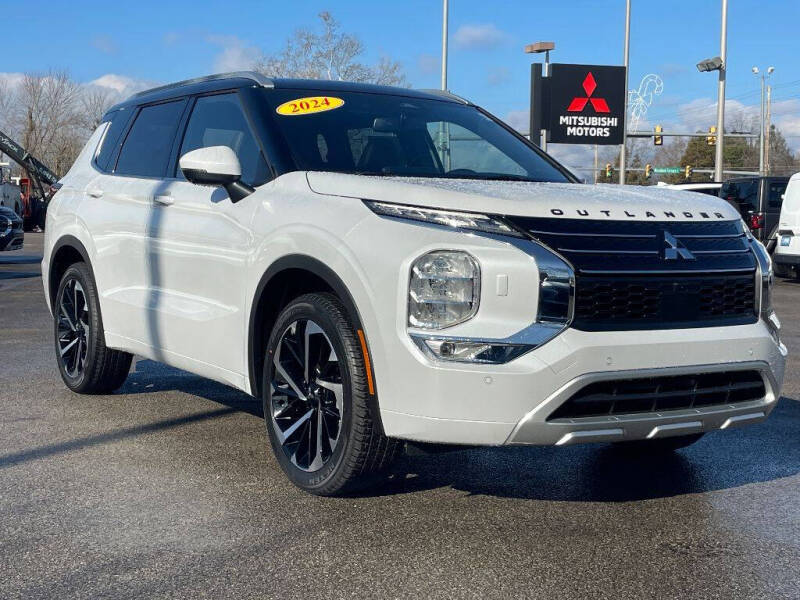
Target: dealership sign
{"x":586,"y":104}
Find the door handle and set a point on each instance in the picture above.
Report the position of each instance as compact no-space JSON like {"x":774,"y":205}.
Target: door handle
{"x":95,"y":192}
{"x":164,"y":199}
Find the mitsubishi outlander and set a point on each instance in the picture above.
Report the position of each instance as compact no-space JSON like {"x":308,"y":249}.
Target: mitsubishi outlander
{"x":381,"y":265}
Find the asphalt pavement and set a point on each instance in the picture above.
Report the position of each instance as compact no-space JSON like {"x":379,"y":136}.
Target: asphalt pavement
{"x":168,"y":489}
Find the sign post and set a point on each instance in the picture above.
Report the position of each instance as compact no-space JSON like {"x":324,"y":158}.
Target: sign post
{"x":586,"y":105}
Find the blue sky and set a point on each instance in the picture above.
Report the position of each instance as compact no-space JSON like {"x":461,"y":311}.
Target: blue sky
{"x":175,"y":39}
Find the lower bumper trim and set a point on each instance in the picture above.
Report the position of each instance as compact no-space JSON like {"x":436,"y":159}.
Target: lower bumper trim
{"x":674,"y":429}
{"x":590,"y":435}
{"x":743,"y":419}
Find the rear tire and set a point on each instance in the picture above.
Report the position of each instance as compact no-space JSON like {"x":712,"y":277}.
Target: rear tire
{"x":321,"y":425}
{"x":86,"y":365}
{"x":659,"y":446}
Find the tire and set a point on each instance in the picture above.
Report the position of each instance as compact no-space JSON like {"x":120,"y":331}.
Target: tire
{"x":86,"y":365}
{"x":319,"y":420}
{"x":659,"y":446}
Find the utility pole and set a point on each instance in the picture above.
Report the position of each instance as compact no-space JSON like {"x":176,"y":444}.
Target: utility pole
{"x":595,"y":163}
{"x":723,"y":54}
{"x":768,"y":134}
{"x":627,"y":60}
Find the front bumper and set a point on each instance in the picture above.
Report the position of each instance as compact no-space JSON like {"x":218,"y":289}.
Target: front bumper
{"x":535,"y":429}
{"x":509,"y":404}
{"x":12,"y":240}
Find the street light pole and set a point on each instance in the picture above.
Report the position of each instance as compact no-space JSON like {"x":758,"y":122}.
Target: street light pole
{"x":723,"y":51}
{"x":538,"y":48}
{"x":627,"y":60}
{"x":444,"y":45}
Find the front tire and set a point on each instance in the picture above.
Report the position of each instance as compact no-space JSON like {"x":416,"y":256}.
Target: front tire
{"x":319,"y":419}
{"x":86,"y":365}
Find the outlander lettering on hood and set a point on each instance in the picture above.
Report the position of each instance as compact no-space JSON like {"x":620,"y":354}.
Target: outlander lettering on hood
{"x":615,"y":214}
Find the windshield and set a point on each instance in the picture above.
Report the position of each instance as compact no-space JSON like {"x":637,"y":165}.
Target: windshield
{"x":380,"y":134}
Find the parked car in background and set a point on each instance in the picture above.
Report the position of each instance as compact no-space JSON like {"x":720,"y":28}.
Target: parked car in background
{"x":711,"y":188}
{"x":787,"y":250}
{"x":758,"y":200}
{"x":11,"y":235}
{"x":10,"y":197}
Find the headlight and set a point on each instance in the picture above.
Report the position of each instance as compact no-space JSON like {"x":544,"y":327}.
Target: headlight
{"x":556,"y":298}
{"x":447,"y":218}
{"x":444,"y":289}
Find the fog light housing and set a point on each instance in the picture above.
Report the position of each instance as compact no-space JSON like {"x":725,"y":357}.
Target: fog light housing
{"x":470,"y":351}
{"x":444,"y":289}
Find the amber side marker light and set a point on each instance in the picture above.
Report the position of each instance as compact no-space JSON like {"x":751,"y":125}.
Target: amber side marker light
{"x":367,"y":364}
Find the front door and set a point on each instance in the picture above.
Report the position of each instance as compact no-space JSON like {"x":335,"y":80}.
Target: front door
{"x":201,"y":243}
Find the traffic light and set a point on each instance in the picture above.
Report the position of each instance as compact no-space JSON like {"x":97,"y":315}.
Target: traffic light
{"x":609,"y":171}
{"x":711,"y":140}
{"x":648,"y":171}
{"x":689,"y":171}
{"x":657,"y":139}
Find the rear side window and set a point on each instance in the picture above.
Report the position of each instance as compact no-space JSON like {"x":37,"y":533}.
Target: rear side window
{"x":116,"y":125}
{"x":146,"y":150}
{"x":219,"y":121}
{"x":775,"y":191}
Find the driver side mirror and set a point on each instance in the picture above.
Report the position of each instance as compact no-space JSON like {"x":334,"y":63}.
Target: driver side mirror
{"x":215,"y":166}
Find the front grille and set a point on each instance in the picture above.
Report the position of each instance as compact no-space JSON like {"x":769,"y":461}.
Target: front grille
{"x":662,"y":394}
{"x":625,"y":279}
{"x":657,"y":302}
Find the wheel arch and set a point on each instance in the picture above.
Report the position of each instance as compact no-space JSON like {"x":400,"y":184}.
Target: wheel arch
{"x":285,"y":279}
{"x":66,"y":251}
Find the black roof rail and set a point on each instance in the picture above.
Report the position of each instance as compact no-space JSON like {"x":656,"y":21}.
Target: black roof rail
{"x":258,"y":78}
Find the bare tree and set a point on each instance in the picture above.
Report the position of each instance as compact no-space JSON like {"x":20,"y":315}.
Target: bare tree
{"x":50,"y":123}
{"x":331,"y":55}
{"x":94,"y":103}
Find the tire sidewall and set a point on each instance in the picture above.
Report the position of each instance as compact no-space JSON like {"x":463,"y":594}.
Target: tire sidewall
{"x":308,"y":309}
{"x":81,"y":274}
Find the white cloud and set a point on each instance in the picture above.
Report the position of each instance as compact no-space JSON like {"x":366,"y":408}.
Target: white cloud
{"x":121,"y":84}
{"x":470,"y":37}
{"x":236,"y":54}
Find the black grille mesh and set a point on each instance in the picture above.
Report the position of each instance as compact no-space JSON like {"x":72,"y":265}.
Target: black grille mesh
{"x":606,"y":302}
{"x":661,"y":394}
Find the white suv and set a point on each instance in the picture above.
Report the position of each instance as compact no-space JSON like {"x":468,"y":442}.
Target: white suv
{"x":381,"y":265}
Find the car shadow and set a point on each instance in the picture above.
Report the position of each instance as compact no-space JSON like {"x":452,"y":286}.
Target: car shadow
{"x":603,"y":473}
{"x":148,"y":376}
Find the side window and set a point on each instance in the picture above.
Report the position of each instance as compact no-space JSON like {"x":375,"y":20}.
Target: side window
{"x":219,"y":121}
{"x":118,"y":120}
{"x":775,"y":190}
{"x":146,"y":150}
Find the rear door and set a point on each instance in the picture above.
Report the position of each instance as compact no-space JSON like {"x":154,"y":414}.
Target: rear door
{"x":124,"y":189}
{"x":202,"y":245}
{"x":774,"y":189}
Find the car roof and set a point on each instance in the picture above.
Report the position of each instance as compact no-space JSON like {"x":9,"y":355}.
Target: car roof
{"x":236,"y":79}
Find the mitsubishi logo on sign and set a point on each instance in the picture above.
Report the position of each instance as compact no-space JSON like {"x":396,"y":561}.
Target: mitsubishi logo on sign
{"x":598,"y":104}
{"x":586,"y":104}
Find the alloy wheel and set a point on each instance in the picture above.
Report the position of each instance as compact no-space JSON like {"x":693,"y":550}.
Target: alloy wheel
{"x":73,"y":328}
{"x":307,"y":396}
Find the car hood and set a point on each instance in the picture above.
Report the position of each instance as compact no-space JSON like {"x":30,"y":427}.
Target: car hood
{"x":529,"y":199}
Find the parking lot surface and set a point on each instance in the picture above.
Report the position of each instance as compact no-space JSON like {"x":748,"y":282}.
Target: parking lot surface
{"x":169,"y":489}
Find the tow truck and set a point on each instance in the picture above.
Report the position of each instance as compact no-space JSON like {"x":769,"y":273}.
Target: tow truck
{"x":35,"y":189}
